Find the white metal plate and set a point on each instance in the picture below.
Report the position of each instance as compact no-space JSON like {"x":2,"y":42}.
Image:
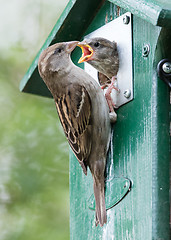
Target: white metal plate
{"x":121,"y":33}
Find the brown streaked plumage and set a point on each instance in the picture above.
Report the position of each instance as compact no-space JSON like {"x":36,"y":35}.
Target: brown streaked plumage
{"x":83,"y":113}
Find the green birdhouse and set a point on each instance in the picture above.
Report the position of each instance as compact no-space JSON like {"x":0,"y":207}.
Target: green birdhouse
{"x":137,"y":171}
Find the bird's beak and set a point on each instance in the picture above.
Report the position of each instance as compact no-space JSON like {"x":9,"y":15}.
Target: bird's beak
{"x":87,"y":52}
{"x":71,"y":46}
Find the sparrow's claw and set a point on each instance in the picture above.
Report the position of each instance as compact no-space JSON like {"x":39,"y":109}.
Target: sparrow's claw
{"x":109,"y":100}
{"x":113,"y":80}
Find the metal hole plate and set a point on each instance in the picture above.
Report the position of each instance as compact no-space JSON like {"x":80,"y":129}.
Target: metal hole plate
{"x":119,"y":31}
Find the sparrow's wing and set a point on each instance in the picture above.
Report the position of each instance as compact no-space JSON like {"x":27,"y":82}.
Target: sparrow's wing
{"x":74,"y":109}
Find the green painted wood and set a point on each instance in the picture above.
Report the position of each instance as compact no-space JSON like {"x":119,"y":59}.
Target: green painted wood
{"x":156,"y":12}
{"x":160,"y":138}
{"x":140,"y":149}
{"x":70,"y":26}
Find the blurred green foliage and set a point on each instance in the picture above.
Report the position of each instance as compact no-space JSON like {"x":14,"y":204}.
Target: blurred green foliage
{"x":34,"y":165}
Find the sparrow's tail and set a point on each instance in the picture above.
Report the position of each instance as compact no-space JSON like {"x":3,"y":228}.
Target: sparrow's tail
{"x":100,"y":202}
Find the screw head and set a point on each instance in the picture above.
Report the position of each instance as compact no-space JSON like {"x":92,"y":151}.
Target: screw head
{"x":167,"y":67}
{"x":127,"y":93}
{"x":146,"y":50}
{"x":126,"y":19}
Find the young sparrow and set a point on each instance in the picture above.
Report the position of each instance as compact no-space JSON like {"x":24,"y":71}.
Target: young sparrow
{"x":83,"y":113}
{"x":102,"y":54}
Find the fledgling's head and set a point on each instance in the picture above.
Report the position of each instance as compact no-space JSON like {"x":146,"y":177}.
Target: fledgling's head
{"x":101,"y":54}
{"x":56,"y":58}
{"x":96,"y":49}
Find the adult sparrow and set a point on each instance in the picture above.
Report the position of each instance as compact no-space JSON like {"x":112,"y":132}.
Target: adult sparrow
{"x":102,"y":54}
{"x":83,"y":113}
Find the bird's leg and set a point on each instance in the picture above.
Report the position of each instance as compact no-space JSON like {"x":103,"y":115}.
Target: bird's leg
{"x":108,"y":94}
{"x":109,"y":102}
{"x":112,"y":85}
{"x":113,"y":115}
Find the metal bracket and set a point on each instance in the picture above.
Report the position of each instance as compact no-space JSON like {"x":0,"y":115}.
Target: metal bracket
{"x":120,"y":31}
{"x":164,"y":71}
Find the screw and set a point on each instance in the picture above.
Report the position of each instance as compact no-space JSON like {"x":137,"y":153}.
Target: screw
{"x":146,"y":50}
{"x":126,"y":19}
{"x":167,"y":67}
{"x":127,"y":93}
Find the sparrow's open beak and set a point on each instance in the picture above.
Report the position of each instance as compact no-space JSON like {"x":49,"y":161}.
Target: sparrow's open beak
{"x":71,"y":46}
{"x":87,"y":52}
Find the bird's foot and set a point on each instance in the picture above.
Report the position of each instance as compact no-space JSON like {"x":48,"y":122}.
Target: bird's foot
{"x":112,"y":114}
{"x":112,"y":85}
{"x":109,"y":102}
{"x":108,"y":97}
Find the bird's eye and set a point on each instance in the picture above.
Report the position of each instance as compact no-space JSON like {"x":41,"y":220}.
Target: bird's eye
{"x":57,"y":50}
{"x":96,"y":44}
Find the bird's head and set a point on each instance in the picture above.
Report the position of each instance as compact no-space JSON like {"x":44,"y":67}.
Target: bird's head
{"x":56,"y":58}
{"x":97,"y":49}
